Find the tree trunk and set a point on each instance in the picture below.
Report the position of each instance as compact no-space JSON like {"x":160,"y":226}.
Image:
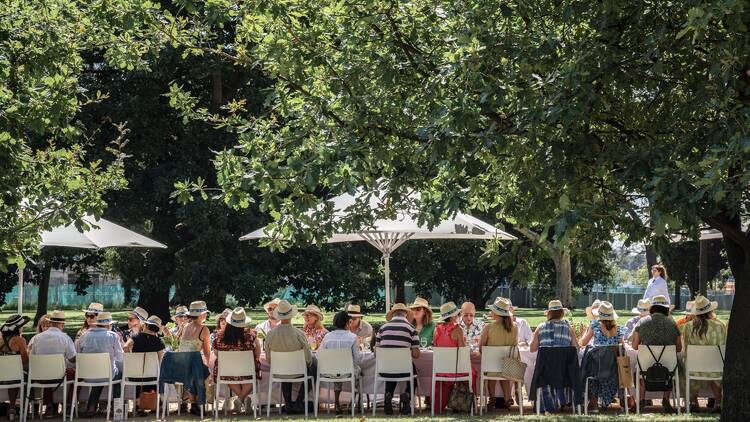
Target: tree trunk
{"x":156,"y":301}
{"x":563,"y":276}
{"x":400,"y":296}
{"x":677,"y":302}
{"x":735,"y":406}
{"x":702,"y":266}
{"x":650,"y":258}
{"x":42,"y":298}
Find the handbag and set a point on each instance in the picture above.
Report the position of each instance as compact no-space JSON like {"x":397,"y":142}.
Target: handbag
{"x":147,"y":400}
{"x":513,"y":368}
{"x":624,"y":374}
{"x":460,"y":399}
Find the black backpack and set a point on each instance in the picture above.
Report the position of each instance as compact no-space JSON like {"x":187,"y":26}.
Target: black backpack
{"x":657,"y":377}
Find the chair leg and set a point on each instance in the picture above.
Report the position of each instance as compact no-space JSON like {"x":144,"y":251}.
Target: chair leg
{"x":374,"y":393}
{"x":678,"y":397}
{"x":109,"y":399}
{"x":268,"y":404}
{"x":304,"y":388}
{"x":74,"y":403}
{"x":411,"y":395}
{"x":353,"y":391}
{"x":687,"y":392}
{"x":481,"y":394}
{"x":538,"y":400}
{"x":519,"y":390}
{"x":434,"y":399}
{"x":317,"y":396}
{"x":586,"y":397}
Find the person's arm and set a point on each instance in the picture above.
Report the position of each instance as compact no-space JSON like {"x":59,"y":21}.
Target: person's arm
{"x":20,"y":344}
{"x":119,"y":354}
{"x":205,"y":336}
{"x":128,"y":346}
{"x":586,"y":337}
{"x":534,"y":346}
{"x":484,"y":338}
{"x":678,"y":344}
{"x":356,"y":353}
{"x":458,"y":334}
{"x":636,"y":340}
{"x":573,"y":337}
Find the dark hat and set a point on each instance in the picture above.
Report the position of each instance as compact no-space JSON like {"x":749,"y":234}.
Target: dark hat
{"x":14,"y":321}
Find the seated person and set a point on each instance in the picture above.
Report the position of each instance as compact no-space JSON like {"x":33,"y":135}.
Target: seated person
{"x":313,"y":327}
{"x":342,"y":338}
{"x":101,"y":339}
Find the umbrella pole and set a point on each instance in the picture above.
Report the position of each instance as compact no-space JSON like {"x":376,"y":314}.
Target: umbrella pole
{"x":20,"y":290}
{"x":387,"y":265}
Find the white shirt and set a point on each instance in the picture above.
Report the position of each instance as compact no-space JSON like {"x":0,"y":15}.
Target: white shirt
{"x":524,"y":331}
{"x":657,"y":286}
{"x":101,"y":340}
{"x":342,"y":339}
{"x":266,"y":327}
{"x":53,"y":342}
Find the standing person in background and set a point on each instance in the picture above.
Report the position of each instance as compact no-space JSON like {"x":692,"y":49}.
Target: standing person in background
{"x":641,"y":311}
{"x":471,"y":326}
{"x":361,"y":328}
{"x":657,"y":285}
{"x":423,"y":322}
{"x":101,"y":339}
{"x":13,"y":343}
{"x":313,"y":327}
{"x":501,"y":332}
{"x":269,"y":324}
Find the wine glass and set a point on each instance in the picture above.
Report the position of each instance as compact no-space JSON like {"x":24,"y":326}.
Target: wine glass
{"x":423,"y":342}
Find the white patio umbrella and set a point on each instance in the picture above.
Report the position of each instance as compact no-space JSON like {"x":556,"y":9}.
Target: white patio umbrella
{"x":100,"y":234}
{"x":388,"y":234}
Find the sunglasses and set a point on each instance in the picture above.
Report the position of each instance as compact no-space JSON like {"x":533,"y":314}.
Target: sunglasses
{"x":90,"y":315}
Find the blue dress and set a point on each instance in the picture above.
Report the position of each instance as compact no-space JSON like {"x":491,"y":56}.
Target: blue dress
{"x":554,"y":334}
{"x":606,"y":390}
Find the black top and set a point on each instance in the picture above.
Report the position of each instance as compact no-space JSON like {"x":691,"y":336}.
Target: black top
{"x":143,"y":342}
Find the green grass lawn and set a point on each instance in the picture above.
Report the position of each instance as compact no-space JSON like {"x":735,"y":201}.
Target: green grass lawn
{"x":533,"y":316}
{"x":505,"y":417}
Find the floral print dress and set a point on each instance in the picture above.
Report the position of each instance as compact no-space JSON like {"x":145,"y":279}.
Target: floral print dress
{"x":248,"y":343}
{"x":606,"y":390}
{"x":314,"y":336}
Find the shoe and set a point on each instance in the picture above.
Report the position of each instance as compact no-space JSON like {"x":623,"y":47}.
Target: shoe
{"x":711,"y":403}
{"x":667,"y":406}
{"x":405,"y":404}
{"x":508,"y":404}
{"x":183,"y":407}
{"x":141,"y":414}
{"x":388,"y":404}
{"x":491,"y":402}
{"x":195,"y":409}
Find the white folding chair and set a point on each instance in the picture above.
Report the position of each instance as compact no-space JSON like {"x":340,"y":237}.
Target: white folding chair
{"x":586,"y":388}
{"x":335,"y":366}
{"x":135,"y":368}
{"x":702,"y":359}
{"x":287,"y":364}
{"x":492,"y":361}
{"x":395,"y":360}
{"x":236,"y":364}
{"x":645,"y":360}
{"x":11,"y":376}
{"x":93,"y":370}
{"x":46,"y":371}
{"x":450,"y":360}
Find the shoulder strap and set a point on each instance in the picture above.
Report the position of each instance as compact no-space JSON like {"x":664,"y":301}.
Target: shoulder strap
{"x":718,"y":347}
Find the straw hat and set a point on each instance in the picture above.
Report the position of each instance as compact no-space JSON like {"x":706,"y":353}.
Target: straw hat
{"x":702,"y":306}
{"x":354,"y":311}
{"x":13,"y":322}
{"x":422,"y":303}
{"x":140,"y":313}
{"x":661,"y":300}
{"x":57,"y":316}
{"x":285,"y":310}
{"x":274,"y":303}
{"x":555,"y":305}
{"x":197,"y":308}
{"x":642,"y":308}
{"x":448,"y":310}
{"x":312,"y":309}
{"x":690,"y":304}
{"x":103,"y":319}
{"x":502,"y":307}
{"x":238,"y":318}
{"x":605,"y":312}
{"x":181,"y":311}
{"x":399,"y":307}
{"x":590,"y":309}
{"x":94,"y":308}
{"x":154,"y":321}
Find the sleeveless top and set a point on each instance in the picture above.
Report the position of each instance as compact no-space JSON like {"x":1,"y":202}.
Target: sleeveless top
{"x":194,"y":345}
{"x":497,"y":336}
{"x":555,"y":334}
{"x":443,"y":335}
{"x":5,"y":347}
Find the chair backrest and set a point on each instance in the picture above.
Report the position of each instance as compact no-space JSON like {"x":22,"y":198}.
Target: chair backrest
{"x":46,"y":367}
{"x":668,"y":358}
{"x":451,"y":360}
{"x":93,"y":365}
{"x":705,"y":358}
{"x":288,"y":363}
{"x":492,"y":357}
{"x":12,"y":368}
{"x":236,"y":363}
{"x":140,"y":365}
{"x":393,"y":360}
{"x":335,"y":361}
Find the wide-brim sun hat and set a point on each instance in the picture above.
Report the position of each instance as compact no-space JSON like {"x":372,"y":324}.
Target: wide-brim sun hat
{"x":94,"y":308}
{"x":14,"y":321}
{"x":661,"y":300}
{"x":154,"y":321}
{"x":275,"y":302}
{"x":502,"y":307}
{"x":399,"y":307}
{"x":238,"y":318}
{"x":181,"y":311}
{"x":448,"y":310}
{"x":555,"y":305}
{"x":590,"y":309}
{"x":104,"y":319}
{"x":140,"y":313}
{"x":702,"y":306}
{"x":424,"y":304}
{"x":605,"y":312}
{"x":197,"y":308}
{"x":312,"y":309}
{"x":643,"y":306}
{"x":354,"y":311}
{"x":285,"y":310}
{"x":57,"y":316}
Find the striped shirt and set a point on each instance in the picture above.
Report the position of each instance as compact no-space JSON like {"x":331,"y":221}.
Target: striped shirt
{"x":397,"y":332}
{"x":555,"y":334}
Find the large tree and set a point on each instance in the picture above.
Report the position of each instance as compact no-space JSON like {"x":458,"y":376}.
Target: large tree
{"x":573,"y":116}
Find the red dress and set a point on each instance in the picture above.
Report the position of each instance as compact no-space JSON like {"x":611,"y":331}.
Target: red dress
{"x":443,"y":388}
{"x":248,"y":343}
